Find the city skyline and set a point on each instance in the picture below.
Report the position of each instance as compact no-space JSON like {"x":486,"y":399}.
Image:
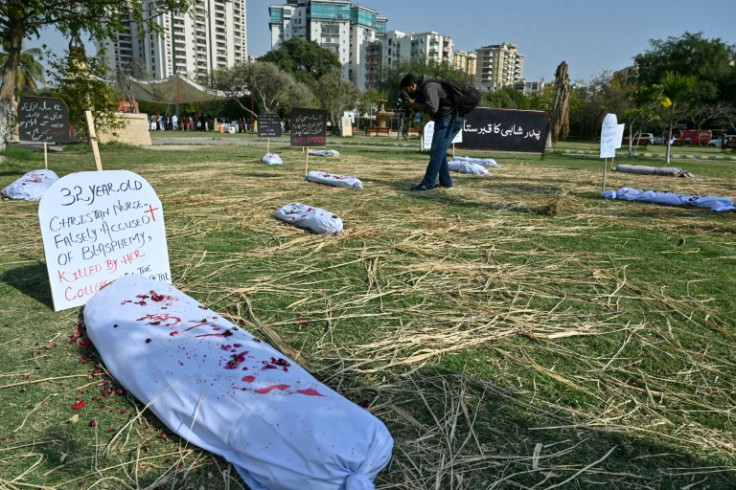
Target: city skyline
{"x":591,"y":37}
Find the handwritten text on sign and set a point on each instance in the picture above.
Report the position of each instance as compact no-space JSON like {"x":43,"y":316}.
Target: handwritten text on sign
{"x":611,"y":136}
{"x":43,"y":119}
{"x":308,"y":127}
{"x":269,"y":126}
{"x":98,"y":226}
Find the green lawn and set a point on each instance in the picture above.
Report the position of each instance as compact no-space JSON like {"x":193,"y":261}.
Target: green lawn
{"x":515,"y":331}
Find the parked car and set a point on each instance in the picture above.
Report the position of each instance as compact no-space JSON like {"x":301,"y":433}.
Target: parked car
{"x":639,"y":139}
{"x":658,"y":140}
{"x":717,"y":141}
{"x":648,"y":136}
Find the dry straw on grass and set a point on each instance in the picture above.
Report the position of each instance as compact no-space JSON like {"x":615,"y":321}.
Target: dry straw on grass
{"x":457,"y":315}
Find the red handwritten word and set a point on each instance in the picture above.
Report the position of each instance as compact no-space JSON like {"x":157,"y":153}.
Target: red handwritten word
{"x":71,"y":294}
{"x":81,"y":273}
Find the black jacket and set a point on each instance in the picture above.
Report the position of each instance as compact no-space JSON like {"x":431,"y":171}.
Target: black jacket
{"x":434,"y":99}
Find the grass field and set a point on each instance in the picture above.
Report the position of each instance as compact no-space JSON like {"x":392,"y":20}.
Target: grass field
{"x":515,"y":331}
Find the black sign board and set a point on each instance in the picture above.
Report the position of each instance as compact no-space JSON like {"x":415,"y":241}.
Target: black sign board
{"x":269,"y":126}
{"x":43,"y":119}
{"x":308,"y":127}
{"x":505,"y":130}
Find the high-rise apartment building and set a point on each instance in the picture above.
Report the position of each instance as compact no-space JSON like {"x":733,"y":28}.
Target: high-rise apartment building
{"x":528,"y":88}
{"x":337,"y":25}
{"x":393,"y":46}
{"x":366,"y":28}
{"x":356,"y":34}
{"x":499,"y":65}
{"x":374,"y":62}
{"x":208,"y":37}
{"x":423,"y":46}
{"x":466,"y":62}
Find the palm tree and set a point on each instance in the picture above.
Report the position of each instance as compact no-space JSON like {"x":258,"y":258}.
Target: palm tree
{"x":671,"y":90}
{"x":30,"y":71}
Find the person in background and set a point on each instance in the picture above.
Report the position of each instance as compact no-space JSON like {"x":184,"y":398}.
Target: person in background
{"x":429,"y":96}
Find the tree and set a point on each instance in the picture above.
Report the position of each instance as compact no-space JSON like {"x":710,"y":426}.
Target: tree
{"x":729,"y":121}
{"x":671,"y":90}
{"x":710,"y":114}
{"x":590,"y":104}
{"x":100,"y":18}
{"x":543,"y":100}
{"x":299,"y":95}
{"x":641,"y":110}
{"x":390,"y":77}
{"x":506,"y":98}
{"x":30,"y":72}
{"x":710,"y":62}
{"x":82,"y":87}
{"x":336,"y":95}
{"x":370,"y":101}
{"x":271,"y":87}
{"x":306,"y":61}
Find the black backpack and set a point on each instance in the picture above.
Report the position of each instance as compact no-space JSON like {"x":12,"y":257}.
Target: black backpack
{"x":465,"y":97}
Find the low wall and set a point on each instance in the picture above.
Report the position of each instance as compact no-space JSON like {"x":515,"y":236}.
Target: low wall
{"x":135,"y":131}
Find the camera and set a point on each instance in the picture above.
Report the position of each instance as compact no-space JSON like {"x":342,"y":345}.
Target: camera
{"x":403,"y":96}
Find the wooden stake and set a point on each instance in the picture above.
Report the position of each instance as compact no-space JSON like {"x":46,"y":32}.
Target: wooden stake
{"x":268,"y":145}
{"x":93,"y":139}
{"x":605,"y":166}
{"x":306,"y":168}
{"x":45,"y":156}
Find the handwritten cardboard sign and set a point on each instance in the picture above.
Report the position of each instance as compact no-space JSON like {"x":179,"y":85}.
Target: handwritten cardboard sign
{"x":505,"y":130}
{"x":43,"y":119}
{"x":308,"y":127}
{"x":611,"y":136}
{"x":98,"y":226}
{"x":269,"y":126}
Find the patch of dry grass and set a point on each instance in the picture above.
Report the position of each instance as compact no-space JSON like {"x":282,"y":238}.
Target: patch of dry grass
{"x":515,"y":331}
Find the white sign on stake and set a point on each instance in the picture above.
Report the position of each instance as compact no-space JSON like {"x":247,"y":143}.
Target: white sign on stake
{"x":609,"y":134}
{"x":428,"y":134}
{"x":98,"y":226}
{"x":619,"y":134}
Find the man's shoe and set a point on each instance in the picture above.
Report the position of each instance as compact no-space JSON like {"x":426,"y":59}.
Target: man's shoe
{"x":421,"y":188}
{"x":445,"y":186}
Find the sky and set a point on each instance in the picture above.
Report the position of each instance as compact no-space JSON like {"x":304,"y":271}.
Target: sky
{"x":591,"y":36}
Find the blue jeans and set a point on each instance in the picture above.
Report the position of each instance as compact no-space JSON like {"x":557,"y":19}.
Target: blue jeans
{"x":445,"y":131}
